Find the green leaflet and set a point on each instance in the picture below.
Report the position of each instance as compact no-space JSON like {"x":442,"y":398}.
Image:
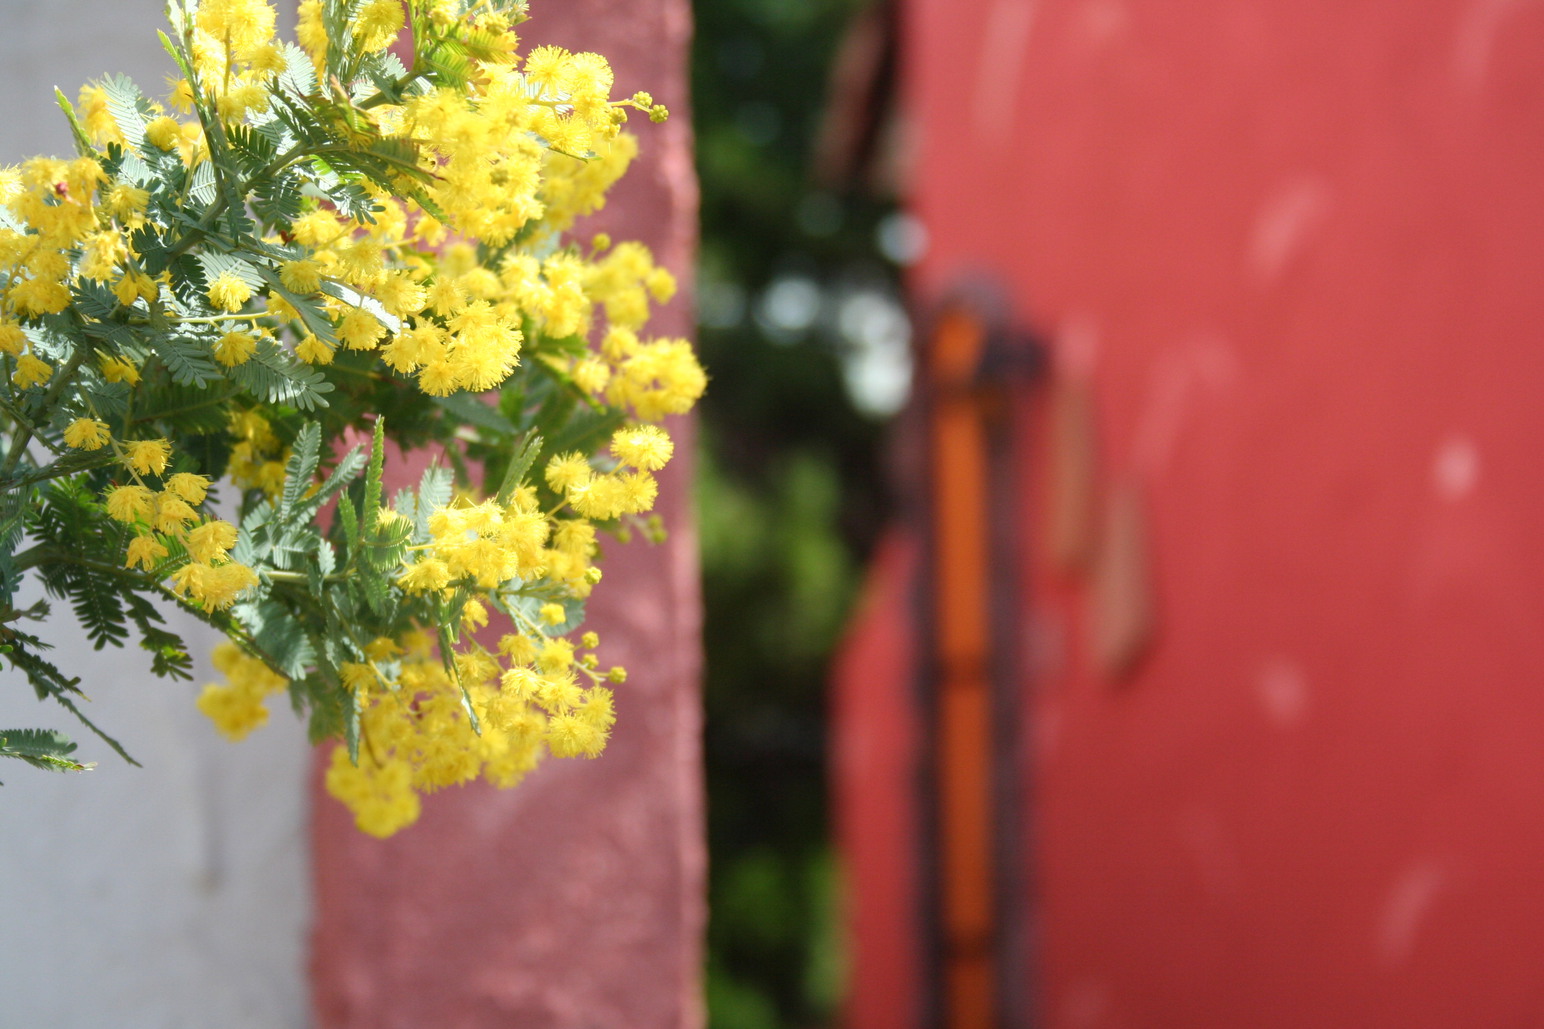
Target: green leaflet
{"x":274,"y":376}
{"x":41,"y":748}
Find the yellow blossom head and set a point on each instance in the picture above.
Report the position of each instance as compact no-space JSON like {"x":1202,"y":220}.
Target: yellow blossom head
{"x":147,"y":456}
{"x":229,"y":292}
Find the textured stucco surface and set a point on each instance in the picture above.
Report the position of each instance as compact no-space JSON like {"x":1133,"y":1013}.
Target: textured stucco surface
{"x":574,"y":900}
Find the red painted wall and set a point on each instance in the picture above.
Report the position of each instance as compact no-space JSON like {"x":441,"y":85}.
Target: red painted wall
{"x":876,"y":735}
{"x":1298,"y":246}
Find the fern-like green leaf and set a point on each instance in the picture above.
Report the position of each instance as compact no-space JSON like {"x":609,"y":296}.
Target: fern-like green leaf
{"x":41,"y":748}
{"x":189,"y":361}
{"x":129,"y":108}
{"x":275,"y":376}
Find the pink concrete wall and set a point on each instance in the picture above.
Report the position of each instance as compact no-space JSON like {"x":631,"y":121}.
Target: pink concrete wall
{"x":1298,"y":248}
{"x":576,"y":899}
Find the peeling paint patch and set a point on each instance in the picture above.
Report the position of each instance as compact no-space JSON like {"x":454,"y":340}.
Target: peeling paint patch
{"x":1086,"y":1003}
{"x":1284,"y":223}
{"x":1283,"y":692}
{"x":1077,"y":347}
{"x":1003,"y":43}
{"x":1216,"y":858}
{"x":1163,"y":416}
{"x":1103,"y":21}
{"x":1207,"y":362}
{"x":1216,"y":362}
{"x":1409,"y":900}
{"x":1475,"y":38}
{"x":1455,"y":469}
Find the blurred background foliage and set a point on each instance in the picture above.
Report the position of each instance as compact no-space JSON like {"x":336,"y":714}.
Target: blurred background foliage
{"x":805,"y":341}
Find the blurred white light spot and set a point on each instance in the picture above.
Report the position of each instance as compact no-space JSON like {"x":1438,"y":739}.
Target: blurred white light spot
{"x":1456,"y":468}
{"x":901,"y":238}
{"x":720,"y":305}
{"x":788,"y":307}
{"x":1283,"y":692}
{"x":876,"y":360}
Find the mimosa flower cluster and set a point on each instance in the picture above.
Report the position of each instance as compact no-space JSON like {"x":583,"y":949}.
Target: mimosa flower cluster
{"x":298,"y":243}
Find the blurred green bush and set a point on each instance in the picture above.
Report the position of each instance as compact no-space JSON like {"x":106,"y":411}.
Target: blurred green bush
{"x":789,"y":494}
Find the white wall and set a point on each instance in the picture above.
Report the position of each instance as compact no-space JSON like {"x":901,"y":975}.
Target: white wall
{"x":177,"y":894}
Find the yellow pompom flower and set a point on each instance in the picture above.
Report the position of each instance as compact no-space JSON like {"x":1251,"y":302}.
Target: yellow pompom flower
{"x":357,"y":677}
{"x":172,"y":513}
{"x":408,"y":351}
{"x":237,"y":707}
{"x":301,"y":276}
{"x":30,"y":371}
{"x":312,"y":350}
{"x":229,"y":292}
{"x":134,"y":284}
{"x":438,"y":378}
{"x":144,"y":552}
{"x":235,"y":347}
{"x":566,"y":471}
{"x":119,"y":369}
{"x":127,"y":203}
{"x":359,"y":330}
{"x":86,"y":434}
{"x":378,"y":24}
{"x":181,"y":96}
{"x":214,"y":587}
{"x":573,"y":736}
{"x":473,"y":616}
{"x":241,"y":99}
{"x":645,"y":446}
{"x":401,"y":296}
{"x":425,"y":576}
{"x":188,"y":487}
{"x":128,"y":503}
{"x":211,"y":541}
{"x":163,"y":133}
{"x":591,"y":375}
{"x":147,"y":456}
{"x":234,"y":713}
{"x":32,"y":297}
{"x":12,"y":339}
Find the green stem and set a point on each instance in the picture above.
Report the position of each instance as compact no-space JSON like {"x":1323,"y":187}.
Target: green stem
{"x":16,"y":416}
{"x":24,"y":436}
{"x":205,"y":224}
{"x":54,"y":471}
{"x":147,"y":582}
{"x":47,"y":553}
{"x":215,"y":318}
{"x":278,"y":575}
